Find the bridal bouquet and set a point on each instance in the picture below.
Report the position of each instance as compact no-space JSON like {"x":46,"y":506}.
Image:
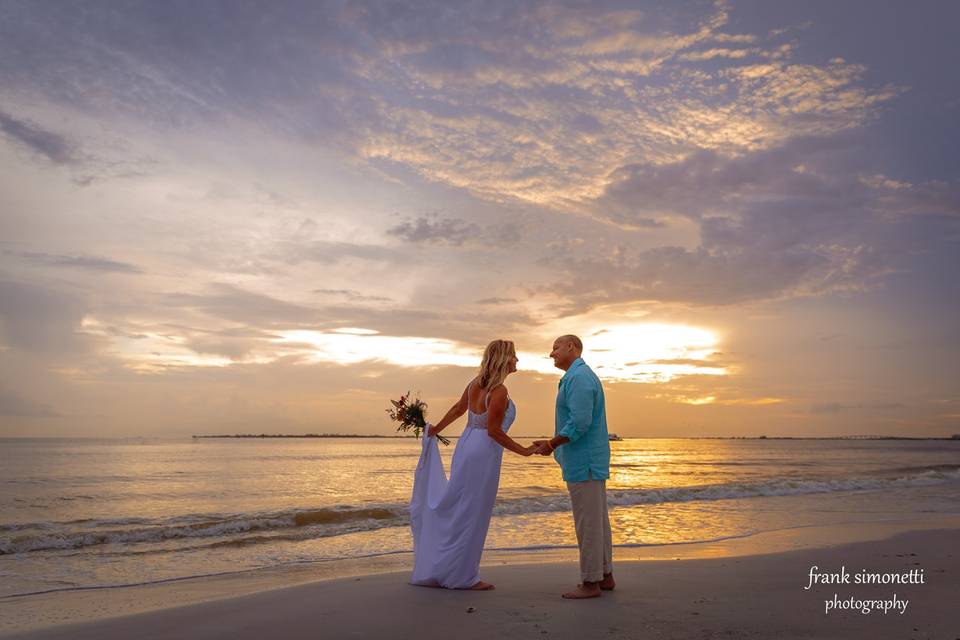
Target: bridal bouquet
{"x":411,"y":415}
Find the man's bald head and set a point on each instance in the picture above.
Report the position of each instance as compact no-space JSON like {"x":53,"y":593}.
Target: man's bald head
{"x":574,"y":340}
{"x":566,"y":349}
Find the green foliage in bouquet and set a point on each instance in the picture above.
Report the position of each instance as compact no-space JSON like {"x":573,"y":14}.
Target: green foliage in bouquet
{"x":411,"y":415}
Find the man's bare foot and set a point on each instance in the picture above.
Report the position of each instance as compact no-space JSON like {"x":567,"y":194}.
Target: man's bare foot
{"x":585,"y":590}
{"x":608,"y":583}
{"x":482,"y":586}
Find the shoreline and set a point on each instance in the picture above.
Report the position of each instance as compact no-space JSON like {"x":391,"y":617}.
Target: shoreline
{"x":94,"y":607}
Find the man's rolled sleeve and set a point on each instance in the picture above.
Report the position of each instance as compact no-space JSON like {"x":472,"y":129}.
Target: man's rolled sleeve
{"x":579,"y":400}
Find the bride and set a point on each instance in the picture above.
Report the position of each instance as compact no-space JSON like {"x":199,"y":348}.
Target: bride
{"x":450,"y":518}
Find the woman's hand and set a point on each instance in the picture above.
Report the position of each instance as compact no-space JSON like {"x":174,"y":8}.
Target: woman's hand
{"x":432,"y":430}
{"x":542,"y":447}
{"x":529,"y":451}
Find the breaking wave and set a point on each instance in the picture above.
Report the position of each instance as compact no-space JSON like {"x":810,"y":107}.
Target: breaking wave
{"x":217,"y":530}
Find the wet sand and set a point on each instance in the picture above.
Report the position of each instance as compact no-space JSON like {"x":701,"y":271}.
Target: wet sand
{"x":737,"y":594}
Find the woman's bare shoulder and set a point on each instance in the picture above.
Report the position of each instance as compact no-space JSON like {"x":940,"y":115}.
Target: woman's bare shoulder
{"x":499,"y":391}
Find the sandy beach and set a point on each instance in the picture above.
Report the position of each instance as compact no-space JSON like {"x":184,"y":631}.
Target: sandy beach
{"x":732,"y":589}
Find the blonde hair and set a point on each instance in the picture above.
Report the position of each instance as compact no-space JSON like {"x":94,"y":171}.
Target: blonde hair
{"x":496,"y":363}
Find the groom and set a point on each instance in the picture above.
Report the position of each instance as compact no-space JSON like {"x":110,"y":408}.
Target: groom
{"x":582,"y":448}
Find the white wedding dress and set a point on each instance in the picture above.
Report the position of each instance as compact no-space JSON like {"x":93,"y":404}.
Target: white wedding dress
{"x":450,"y":519}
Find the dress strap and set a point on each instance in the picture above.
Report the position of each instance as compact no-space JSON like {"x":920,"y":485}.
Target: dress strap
{"x":469,"y":387}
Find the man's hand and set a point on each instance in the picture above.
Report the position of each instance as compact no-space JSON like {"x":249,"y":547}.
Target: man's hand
{"x":543,"y":447}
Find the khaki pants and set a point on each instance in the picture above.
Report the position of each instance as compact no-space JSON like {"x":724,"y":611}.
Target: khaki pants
{"x":592,"y":522}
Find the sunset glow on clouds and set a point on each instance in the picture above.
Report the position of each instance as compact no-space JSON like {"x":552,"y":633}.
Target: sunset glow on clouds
{"x":630,"y":353}
{"x":637,"y":353}
{"x":747,"y":210}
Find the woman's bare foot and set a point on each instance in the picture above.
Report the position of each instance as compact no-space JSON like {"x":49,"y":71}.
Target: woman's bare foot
{"x":608,"y":583}
{"x":434,"y":584}
{"x":482,"y":586}
{"x":585,"y":590}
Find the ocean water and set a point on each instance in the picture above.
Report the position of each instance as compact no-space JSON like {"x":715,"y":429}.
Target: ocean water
{"x":80,"y":513}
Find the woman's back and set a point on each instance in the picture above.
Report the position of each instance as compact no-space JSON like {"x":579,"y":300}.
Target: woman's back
{"x":478,"y":409}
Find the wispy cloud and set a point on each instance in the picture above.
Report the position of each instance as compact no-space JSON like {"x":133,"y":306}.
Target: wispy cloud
{"x":229,"y":302}
{"x":433,"y":228}
{"x":91,"y":263}
{"x":330,"y":252}
{"x":556,"y":123}
{"x":352,"y":295}
{"x":48,"y":144}
{"x":535,"y":103}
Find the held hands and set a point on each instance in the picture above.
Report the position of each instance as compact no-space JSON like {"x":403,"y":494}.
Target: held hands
{"x":542,"y":447}
{"x":533,"y":449}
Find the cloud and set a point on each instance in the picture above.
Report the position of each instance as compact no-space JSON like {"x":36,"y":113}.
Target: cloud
{"x":352,"y":295}
{"x":708,"y":182}
{"x":461,"y":324}
{"x":230,"y":302}
{"x":791,"y":221}
{"x":41,"y":320}
{"x":63,"y":150}
{"x":553,"y":127}
{"x":426,"y":229}
{"x":332,"y":252}
{"x":165,"y":347}
{"x":234,"y":349}
{"x":52,"y":146}
{"x":717,"y":53}
{"x":264,"y":314}
{"x":90,"y":263}
{"x":537,"y":103}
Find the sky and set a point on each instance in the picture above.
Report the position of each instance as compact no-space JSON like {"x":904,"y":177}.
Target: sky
{"x":225,"y":217}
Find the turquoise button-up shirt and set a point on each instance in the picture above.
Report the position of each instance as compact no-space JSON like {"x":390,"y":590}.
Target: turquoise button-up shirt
{"x":581,"y":416}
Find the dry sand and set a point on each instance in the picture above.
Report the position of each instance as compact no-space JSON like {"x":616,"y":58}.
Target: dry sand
{"x":733,"y":596}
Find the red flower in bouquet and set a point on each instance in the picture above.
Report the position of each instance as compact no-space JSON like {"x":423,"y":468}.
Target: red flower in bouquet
{"x":411,"y":415}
